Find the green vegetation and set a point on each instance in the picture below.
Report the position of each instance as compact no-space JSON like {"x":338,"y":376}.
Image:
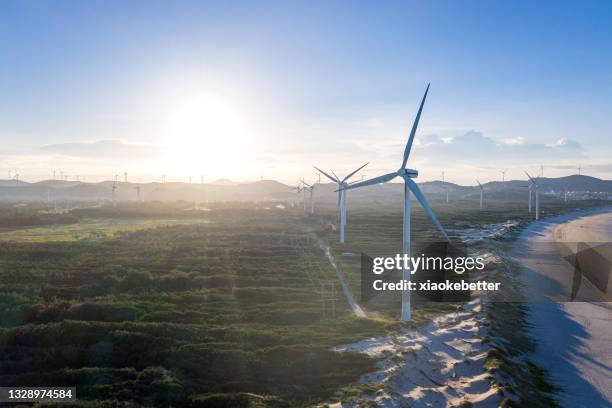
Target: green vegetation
{"x":226,"y":312}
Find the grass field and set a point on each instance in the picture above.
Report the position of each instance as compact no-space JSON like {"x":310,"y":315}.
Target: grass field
{"x":195,"y":314}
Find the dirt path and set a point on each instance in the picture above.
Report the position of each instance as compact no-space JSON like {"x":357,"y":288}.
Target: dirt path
{"x":357,"y":310}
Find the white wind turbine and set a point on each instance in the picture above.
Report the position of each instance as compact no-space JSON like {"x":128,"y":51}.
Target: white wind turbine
{"x":537,"y":196}
{"x":481,"y":192}
{"x":445,"y":187}
{"x":409,"y":185}
{"x":298,"y":190}
{"x":310,"y":189}
{"x":341,"y":196}
{"x":114,"y":188}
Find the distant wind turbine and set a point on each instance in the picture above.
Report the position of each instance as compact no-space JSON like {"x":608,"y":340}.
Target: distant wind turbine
{"x":530,"y":194}
{"x":409,"y":185}
{"x":503,"y":173}
{"x":310,"y":189}
{"x":445,"y":187}
{"x":299,"y":190}
{"x":114,"y":192}
{"x":579,"y":168}
{"x":537,"y":196}
{"x":341,"y":196}
{"x":481,"y":192}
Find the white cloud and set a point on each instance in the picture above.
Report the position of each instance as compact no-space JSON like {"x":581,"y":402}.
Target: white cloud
{"x":104,"y":149}
{"x":475,"y":148}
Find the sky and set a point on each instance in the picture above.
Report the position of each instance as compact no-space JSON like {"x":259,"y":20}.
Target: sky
{"x":245,"y":90}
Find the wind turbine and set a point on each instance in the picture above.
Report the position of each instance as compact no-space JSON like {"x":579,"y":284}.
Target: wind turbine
{"x":503,"y":173}
{"x":481,"y":192}
{"x":579,"y":168}
{"x":409,"y":185}
{"x":530,"y":194}
{"x":341,"y":196}
{"x":299,"y":190}
{"x":445,"y":187}
{"x":138,"y":192}
{"x":310,"y":189}
{"x":114,"y":188}
{"x":537,"y":196}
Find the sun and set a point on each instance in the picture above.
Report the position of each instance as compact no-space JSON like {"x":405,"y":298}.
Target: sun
{"x":206,"y":134}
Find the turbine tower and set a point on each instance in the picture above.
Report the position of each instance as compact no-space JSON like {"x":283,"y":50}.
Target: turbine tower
{"x":503,"y":173}
{"x":341,"y":196}
{"x":537,"y":196}
{"x":579,"y":168}
{"x":409,"y":185}
{"x":298,"y":190}
{"x":481,"y":192}
{"x":445,"y":187}
{"x":138,"y":192}
{"x":530,"y":194}
{"x":310,"y":189}
{"x":114,"y":189}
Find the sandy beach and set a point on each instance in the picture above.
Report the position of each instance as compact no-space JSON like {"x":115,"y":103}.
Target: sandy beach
{"x":574,"y":338}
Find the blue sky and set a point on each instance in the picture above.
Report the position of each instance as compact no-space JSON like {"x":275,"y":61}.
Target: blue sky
{"x":94,"y":88}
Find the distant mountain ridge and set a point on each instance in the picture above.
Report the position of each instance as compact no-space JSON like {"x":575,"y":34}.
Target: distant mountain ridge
{"x":267,"y":190}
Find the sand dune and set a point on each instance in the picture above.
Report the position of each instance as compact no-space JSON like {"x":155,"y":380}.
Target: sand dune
{"x":441,"y":364}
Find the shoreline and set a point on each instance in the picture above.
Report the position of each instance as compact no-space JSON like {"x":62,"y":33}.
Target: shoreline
{"x":573,"y":338}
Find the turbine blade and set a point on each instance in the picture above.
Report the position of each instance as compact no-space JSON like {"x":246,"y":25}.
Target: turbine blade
{"x":370,"y":182}
{"x":479,"y":183}
{"x":353,"y":173}
{"x":326,"y":175}
{"x":413,"y":131}
{"x":419,"y":195}
{"x":531,"y":179}
{"x":335,"y":175}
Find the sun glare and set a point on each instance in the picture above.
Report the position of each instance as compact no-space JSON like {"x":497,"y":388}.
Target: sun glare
{"x":206,"y":135}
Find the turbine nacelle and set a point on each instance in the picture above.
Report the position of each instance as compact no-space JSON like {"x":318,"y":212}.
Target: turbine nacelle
{"x":408,"y":173}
